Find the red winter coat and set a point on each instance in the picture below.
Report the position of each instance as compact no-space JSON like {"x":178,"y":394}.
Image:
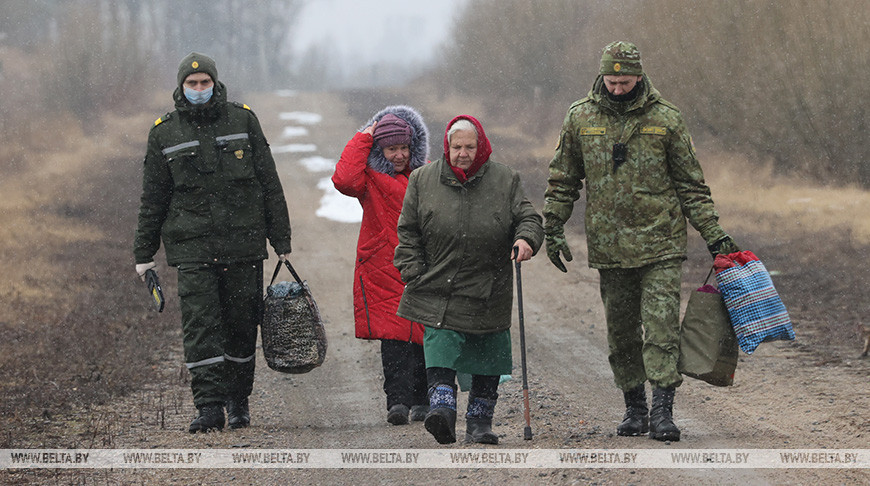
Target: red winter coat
{"x":377,"y":285}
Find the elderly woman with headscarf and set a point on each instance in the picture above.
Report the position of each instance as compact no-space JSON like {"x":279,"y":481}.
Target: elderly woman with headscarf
{"x":374,"y":168}
{"x":461,"y":219}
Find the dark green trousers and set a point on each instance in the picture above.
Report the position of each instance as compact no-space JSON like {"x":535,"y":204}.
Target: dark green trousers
{"x":221,"y":307}
{"x":642,"y":308}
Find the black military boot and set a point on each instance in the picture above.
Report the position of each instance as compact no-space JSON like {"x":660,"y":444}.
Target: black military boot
{"x":211,"y":417}
{"x":636,"y":419}
{"x":238,"y":413}
{"x":441,"y":419}
{"x":661,"y":417}
{"x":478,"y":421}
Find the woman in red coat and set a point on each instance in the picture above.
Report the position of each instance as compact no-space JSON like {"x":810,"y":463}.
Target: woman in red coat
{"x":374,"y":168}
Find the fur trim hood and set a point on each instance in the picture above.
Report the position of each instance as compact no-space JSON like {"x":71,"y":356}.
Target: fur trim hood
{"x":419,"y":140}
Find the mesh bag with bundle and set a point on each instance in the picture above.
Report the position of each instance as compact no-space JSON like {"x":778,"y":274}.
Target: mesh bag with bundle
{"x":294,"y":340}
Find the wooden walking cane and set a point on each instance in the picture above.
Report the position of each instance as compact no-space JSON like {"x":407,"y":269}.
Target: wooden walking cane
{"x":527,"y":431}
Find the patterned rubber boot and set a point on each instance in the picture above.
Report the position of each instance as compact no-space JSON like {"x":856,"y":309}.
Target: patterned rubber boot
{"x":636,"y":419}
{"x":478,"y":421}
{"x":441,"y":419}
{"x":661,"y":417}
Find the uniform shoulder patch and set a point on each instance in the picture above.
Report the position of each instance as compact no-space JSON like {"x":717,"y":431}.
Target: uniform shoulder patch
{"x":668,"y":104}
{"x":162,"y":119}
{"x":242,"y":105}
{"x":581,"y":101}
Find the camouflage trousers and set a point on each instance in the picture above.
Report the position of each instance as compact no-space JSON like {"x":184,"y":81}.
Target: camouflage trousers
{"x":221,"y":307}
{"x":642,"y":308}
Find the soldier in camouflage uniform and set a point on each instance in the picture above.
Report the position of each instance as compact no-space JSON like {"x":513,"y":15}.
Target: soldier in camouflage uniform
{"x":210,"y":191}
{"x":642,"y":183}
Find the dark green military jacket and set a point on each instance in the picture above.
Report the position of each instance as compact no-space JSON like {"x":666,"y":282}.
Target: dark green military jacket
{"x":635,"y":213}
{"x":210,"y":189}
{"x":455,"y":242}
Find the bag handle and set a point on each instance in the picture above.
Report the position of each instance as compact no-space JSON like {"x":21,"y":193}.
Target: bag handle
{"x":289,"y":267}
{"x":706,"y":279}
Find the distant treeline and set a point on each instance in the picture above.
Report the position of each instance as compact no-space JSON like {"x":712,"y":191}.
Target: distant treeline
{"x":781,"y":81}
{"x":92,"y":54}
{"x":68,"y":60}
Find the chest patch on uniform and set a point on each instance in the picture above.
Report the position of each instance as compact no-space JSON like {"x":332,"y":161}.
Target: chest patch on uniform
{"x":239,"y":154}
{"x":653,"y":131}
{"x":586,"y":131}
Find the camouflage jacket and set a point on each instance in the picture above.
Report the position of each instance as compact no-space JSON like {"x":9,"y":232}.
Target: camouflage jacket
{"x":635,"y":213}
{"x":210,"y":189}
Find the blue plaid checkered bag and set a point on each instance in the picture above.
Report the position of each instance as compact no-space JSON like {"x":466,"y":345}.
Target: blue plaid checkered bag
{"x":756,"y":311}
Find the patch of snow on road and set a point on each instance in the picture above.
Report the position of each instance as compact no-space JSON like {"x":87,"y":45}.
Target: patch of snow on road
{"x":290,"y":132}
{"x":303,"y":117}
{"x":336,"y":206}
{"x":286,"y":93}
{"x":318,"y":164}
{"x":294,"y":148}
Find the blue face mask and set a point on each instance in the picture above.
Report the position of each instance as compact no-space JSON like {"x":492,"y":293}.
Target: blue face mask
{"x":198,"y":97}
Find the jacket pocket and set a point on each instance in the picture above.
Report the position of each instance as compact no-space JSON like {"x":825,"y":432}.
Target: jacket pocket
{"x":189,"y":217}
{"x":182,"y":162}
{"x":236,"y":156}
{"x":244,"y":208}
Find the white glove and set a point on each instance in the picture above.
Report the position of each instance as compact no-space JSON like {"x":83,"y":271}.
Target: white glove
{"x":283,"y":257}
{"x":142,"y":267}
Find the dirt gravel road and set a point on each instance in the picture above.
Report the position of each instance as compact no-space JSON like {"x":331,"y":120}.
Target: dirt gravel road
{"x":786,"y":395}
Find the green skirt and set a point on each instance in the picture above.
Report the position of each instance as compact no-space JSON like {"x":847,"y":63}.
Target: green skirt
{"x":475,"y":354}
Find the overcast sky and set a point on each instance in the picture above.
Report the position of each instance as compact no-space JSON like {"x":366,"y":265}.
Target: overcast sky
{"x":368,"y":31}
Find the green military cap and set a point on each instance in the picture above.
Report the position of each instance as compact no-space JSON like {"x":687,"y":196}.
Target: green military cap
{"x":196,"y":63}
{"x":621,"y":58}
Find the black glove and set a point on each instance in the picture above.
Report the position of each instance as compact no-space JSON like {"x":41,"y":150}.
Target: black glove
{"x":723,"y":246}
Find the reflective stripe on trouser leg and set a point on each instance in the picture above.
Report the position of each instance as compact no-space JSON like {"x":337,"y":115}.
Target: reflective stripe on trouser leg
{"x":242,"y":307}
{"x":660,"y":313}
{"x":620,"y":293}
{"x":199,"y":298}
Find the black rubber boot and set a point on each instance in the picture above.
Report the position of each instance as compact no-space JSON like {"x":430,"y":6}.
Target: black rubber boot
{"x":478,"y":421}
{"x":398,"y":414}
{"x":661,"y":417}
{"x":636,"y":419}
{"x":211,"y":417}
{"x":418,"y":413}
{"x":441,"y":419}
{"x":238,"y":414}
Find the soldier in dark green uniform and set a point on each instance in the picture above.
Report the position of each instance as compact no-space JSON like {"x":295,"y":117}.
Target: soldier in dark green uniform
{"x":642,"y":183}
{"x":210,"y":191}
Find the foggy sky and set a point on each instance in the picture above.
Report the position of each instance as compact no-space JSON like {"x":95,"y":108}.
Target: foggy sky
{"x":369,"y":32}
